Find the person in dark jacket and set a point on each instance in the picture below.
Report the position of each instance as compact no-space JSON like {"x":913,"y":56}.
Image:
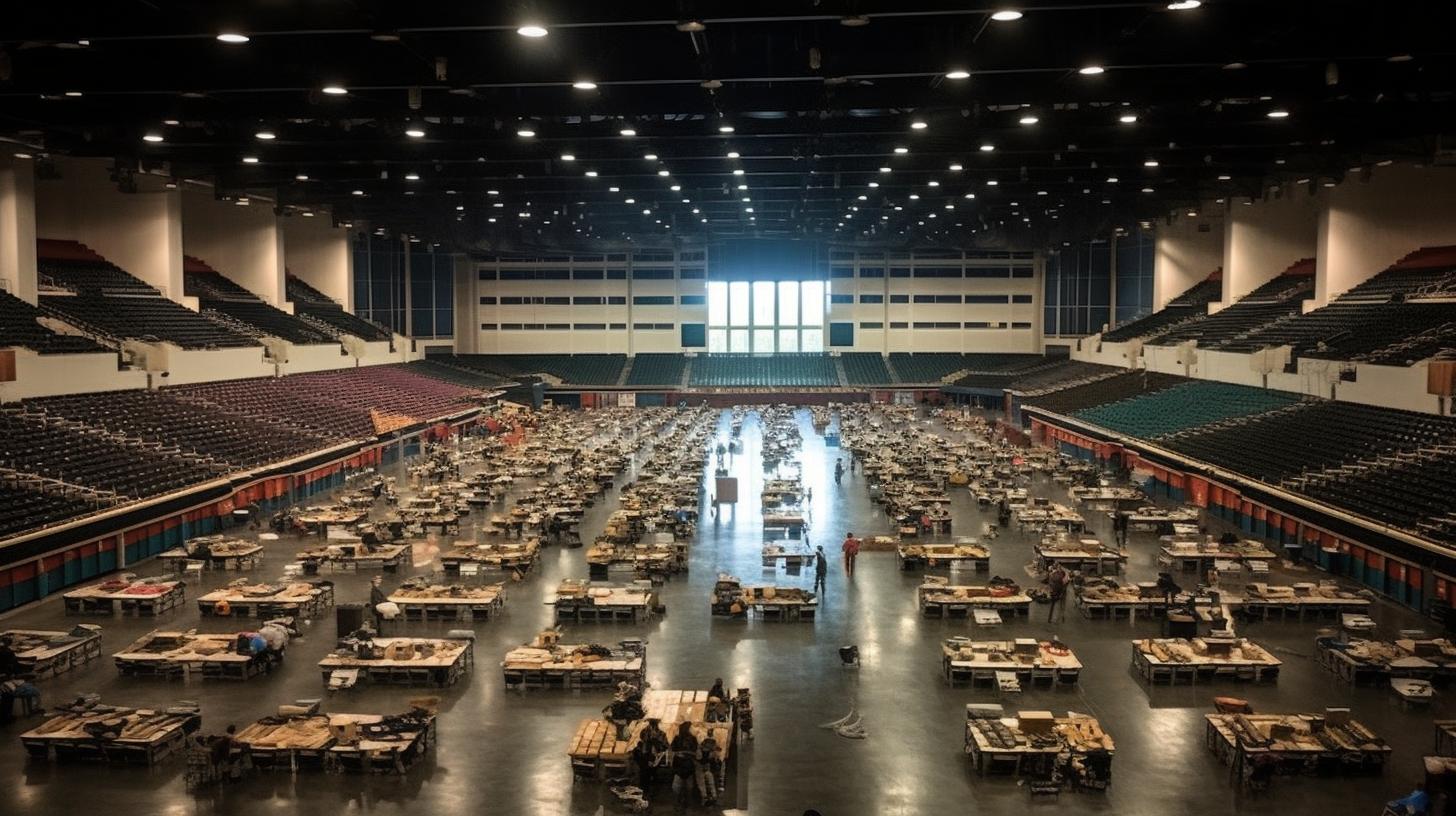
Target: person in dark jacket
{"x":821,"y":569}
{"x":377,"y":597}
{"x":684,"y":762}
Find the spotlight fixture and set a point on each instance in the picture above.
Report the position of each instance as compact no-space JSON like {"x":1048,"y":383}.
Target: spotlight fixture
{"x":232,"y":38}
{"x":1090,"y":70}
{"x":1028,"y":120}
{"x":526,"y":133}
{"x":627,"y":132}
{"x":663,"y":173}
{"x":1006,"y":15}
{"x":987,"y":148}
{"x":885,"y":170}
{"x":958,"y":74}
{"x":532,"y":31}
{"x":1184,"y":5}
{"x":584,"y":85}
{"x":411,"y":176}
{"x":1150,"y":163}
{"x":250,"y":160}
{"x":301,"y":177}
{"x":1127,"y":118}
{"x":902,"y":150}
{"x":650,"y":156}
{"x":1112,"y":179}
{"x":733,"y":154}
{"x":335,"y":90}
{"x":591,"y":174}
{"x":725,"y":128}
{"x":692,"y":26}
{"x":358,"y":192}
{"x":567,"y":157}
{"x":265,"y":135}
{"x":918,"y":124}
{"x":992,"y":182}
{"x":152,"y":137}
{"x":73,"y":94}
{"x":415,"y":133}
{"x":738,"y":171}
{"x":1278,"y":114}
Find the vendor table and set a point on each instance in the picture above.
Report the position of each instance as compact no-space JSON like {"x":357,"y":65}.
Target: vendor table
{"x":137,"y":736}
{"x":449,"y":603}
{"x":300,"y":599}
{"x":151,"y":597}
{"x":429,"y":661}
{"x":183,"y":655}
{"x":1298,"y":743}
{"x":47,"y":654}
{"x":1032,"y":661}
{"x":1169,"y":660}
{"x":966,"y":553}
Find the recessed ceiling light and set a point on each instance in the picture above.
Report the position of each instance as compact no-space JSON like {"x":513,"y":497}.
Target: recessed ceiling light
{"x":914,"y":197}
{"x":630,"y":201}
{"x":415,"y":133}
{"x":1225,"y":178}
{"x":743,"y":186}
{"x":958,"y":74}
{"x":567,"y":157}
{"x":1112,"y":179}
{"x":969,"y":195}
{"x":627,"y":132}
{"x":1028,"y":120}
{"x":1399,"y":58}
{"x":1235,"y":66}
{"x":992,"y":182}
{"x":307,"y":213}
{"x":1150,"y":163}
{"x":335,"y":90}
{"x":250,"y":160}
{"x":1006,"y":15}
{"x":987,"y":148}
{"x":1090,"y":70}
{"x":918,"y":125}
{"x":1041,"y":192}
{"x":733,"y":154}
{"x":874,"y":184}
{"x":73,"y":94}
{"x":663,"y":173}
{"x":1278,"y":114}
{"x":265,"y":135}
{"x":492,"y":192}
{"x":884,"y":169}
{"x":933,"y":183}
{"x":676,"y":188}
{"x":1127,"y":118}
{"x":1147,"y":189}
{"x":171,"y":122}
{"x":411,"y":176}
{"x":526,"y":133}
{"x":1184,"y":5}
{"x":691,"y":26}
{"x":591,"y":174}
{"x":152,"y":137}
{"x":650,"y":156}
{"x":738,"y":172}
{"x":902,"y":150}
{"x":532,"y":30}
{"x":24,"y":156}
{"x":301,"y":177}
{"x":584,"y":85}
{"x":725,"y":128}
{"x":358,"y":192}
{"x":232,"y":38}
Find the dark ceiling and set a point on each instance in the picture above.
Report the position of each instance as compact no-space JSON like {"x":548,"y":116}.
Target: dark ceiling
{"x":817,"y":107}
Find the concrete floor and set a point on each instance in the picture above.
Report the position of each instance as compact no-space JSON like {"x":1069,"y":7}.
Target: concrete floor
{"x":504,"y":752}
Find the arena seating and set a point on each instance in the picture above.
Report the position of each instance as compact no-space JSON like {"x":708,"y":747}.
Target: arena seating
{"x":190,"y":428}
{"x":18,"y":327}
{"x":1276,"y":300}
{"x":1411,"y":493}
{"x":326,"y":315}
{"x":576,"y":369}
{"x":865,"y":368}
{"x":97,"y":297}
{"x":997,"y":371}
{"x":1185,"y":405}
{"x":657,"y":369}
{"x":1110,"y":389}
{"x":468,"y":378}
{"x":89,"y":458}
{"x":928,"y":367}
{"x":1061,"y":374}
{"x":232,"y":305}
{"x":26,"y":507}
{"x":749,"y":371}
{"x":1191,"y":305}
{"x":1309,"y":436}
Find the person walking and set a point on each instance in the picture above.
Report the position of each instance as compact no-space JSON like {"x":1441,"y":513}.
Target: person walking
{"x":1057,"y":581}
{"x":838,"y":471}
{"x":851,"y":549}
{"x":821,"y":569}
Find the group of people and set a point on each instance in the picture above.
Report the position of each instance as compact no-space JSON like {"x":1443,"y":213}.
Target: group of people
{"x":694,"y":764}
{"x":15,"y":683}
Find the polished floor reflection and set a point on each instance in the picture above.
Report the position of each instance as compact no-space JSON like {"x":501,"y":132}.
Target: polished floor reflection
{"x":504,"y":752}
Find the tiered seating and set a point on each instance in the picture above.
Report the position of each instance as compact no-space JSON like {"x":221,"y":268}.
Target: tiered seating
{"x":107,"y":301}
{"x":24,"y":508}
{"x":18,"y":327}
{"x":236,"y":307}
{"x":327,"y":316}
{"x":1412,"y":493}
{"x":1000,"y":370}
{"x":1111,"y":389}
{"x":162,"y":420}
{"x":865,"y":368}
{"x":1191,"y":305}
{"x":657,"y":369}
{"x":1063,"y":373}
{"x":344,"y":404}
{"x":928,"y":367}
{"x":452,"y":374}
{"x":1398,"y":317}
{"x":747,"y":370}
{"x":1183,"y":406}
{"x":92,"y":459}
{"x":575,"y":369}
{"x":1279,"y":299}
{"x":1311,"y":436}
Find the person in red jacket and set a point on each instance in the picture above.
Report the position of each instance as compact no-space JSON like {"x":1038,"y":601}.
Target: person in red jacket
{"x":851,"y":549}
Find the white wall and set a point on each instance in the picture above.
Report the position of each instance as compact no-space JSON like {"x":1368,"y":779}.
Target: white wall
{"x":140,"y":232}
{"x":318,"y":253}
{"x":1264,"y":238}
{"x":1367,"y":226}
{"x":1185,"y":251}
{"x":184,"y":367}
{"x":17,"y":227}
{"x":243,"y":243}
{"x":48,"y":375}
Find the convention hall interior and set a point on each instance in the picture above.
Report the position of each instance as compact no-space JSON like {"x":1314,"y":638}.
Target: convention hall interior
{"x":823,"y":407}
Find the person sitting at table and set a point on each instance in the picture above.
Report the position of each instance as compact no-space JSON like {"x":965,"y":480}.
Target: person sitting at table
{"x":10,"y":662}
{"x":202,"y":552}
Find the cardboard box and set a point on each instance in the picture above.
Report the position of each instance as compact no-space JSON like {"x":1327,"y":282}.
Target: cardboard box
{"x":1035,"y":722}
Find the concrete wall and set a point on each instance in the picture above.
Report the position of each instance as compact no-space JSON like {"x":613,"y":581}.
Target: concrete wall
{"x":302,"y":359}
{"x":319,"y":254}
{"x":140,"y":232}
{"x":1263,"y":239}
{"x":243,"y":243}
{"x":1368,"y":225}
{"x":17,"y":227}
{"x":1184,"y":252}
{"x":210,"y":365}
{"x":53,"y":374}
